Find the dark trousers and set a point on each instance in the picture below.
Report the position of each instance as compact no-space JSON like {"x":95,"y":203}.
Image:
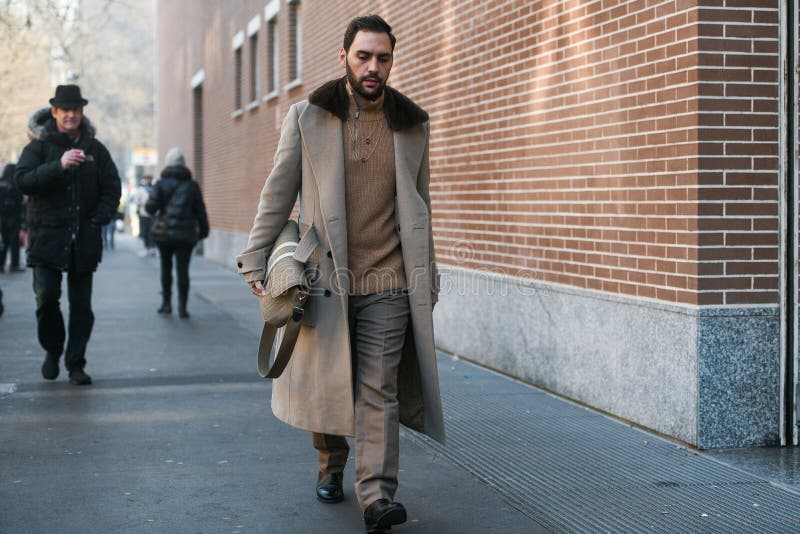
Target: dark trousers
{"x":9,"y":233}
{"x":182,"y":257}
{"x":108,"y":234}
{"x":144,"y":230}
{"x":50,"y":322}
{"x":378,"y":326}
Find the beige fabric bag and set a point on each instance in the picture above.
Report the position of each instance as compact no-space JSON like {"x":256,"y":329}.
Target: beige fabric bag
{"x":286,"y":291}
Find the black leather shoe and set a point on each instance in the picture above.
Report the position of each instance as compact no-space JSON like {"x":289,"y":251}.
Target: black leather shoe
{"x":165,"y":309}
{"x":50,"y":366}
{"x":382,"y":514}
{"x":79,"y":378}
{"x":329,"y":488}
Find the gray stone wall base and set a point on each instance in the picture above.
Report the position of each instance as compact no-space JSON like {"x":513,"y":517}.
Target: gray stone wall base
{"x":222,"y":247}
{"x":707,"y":377}
{"x":739,"y":378}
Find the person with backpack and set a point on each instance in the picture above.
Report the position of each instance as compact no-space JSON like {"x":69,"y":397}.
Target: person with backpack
{"x":180,"y":222}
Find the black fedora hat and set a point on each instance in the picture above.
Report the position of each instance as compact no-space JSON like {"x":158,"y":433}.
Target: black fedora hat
{"x":68,"y":96}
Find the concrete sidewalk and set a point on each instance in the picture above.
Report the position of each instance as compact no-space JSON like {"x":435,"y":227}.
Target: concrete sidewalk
{"x":176,"y":436}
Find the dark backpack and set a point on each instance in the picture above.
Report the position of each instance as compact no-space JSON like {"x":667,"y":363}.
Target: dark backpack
{"x":175,"y":224}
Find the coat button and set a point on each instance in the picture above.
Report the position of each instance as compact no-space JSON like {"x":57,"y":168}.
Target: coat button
{"x":327,"y":292}
{"x":330,"y":254}
{"x":239,"y":264}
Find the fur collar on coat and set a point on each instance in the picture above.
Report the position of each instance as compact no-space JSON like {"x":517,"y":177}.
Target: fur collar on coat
{"x":400,"y":111}
{"x":42,"y":125}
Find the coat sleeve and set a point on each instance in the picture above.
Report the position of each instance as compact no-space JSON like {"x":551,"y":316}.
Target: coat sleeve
{"x":423,"y":188}
{"x":277,"y":199}
{"x":33,"y":174}
{"x":110,"y":189}
{"x":199,"y":210}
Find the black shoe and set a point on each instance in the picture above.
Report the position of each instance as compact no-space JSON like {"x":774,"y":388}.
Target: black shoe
{"x":329,"y":488}
{"x":165,"y":309}
{"x":50,"y":366}
{"x":382,"y":514}
{"x":182,"y":313}
{"x":17,"y":269}
{"x":79,"y":378}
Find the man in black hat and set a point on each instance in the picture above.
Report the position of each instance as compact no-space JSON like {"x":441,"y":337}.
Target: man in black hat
{"x":73,"y":189}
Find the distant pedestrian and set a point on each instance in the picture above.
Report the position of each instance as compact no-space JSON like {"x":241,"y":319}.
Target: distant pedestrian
{"x":73,"y":190}
{"x":10,"y":219}
{"x":109,"y":229}
{"x":357,"y":153}
{"x":180,"y":222}
{"x":145,"y":219}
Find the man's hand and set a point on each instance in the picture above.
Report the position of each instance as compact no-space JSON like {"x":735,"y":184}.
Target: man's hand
{"x":71,"y":158}
{"x":257,"y":288}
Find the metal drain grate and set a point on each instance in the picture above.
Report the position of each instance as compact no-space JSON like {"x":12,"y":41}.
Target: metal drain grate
{"x":573,"y":470}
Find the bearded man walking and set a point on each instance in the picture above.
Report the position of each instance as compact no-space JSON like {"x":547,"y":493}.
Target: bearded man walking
{"x":364,"y":361}
{"x":73,"y":190}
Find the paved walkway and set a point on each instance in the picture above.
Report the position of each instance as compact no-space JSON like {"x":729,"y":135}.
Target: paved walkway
{"x":176,"y":436}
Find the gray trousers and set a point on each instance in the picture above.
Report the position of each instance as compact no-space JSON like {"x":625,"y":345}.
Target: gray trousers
{"x":377,"y":331}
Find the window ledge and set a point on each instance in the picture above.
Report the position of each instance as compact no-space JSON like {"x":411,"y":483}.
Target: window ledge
{"x":294,"y":84}
{"x":270,"y":96}
{"x":238,"y":113}
{"x":252,"y":105}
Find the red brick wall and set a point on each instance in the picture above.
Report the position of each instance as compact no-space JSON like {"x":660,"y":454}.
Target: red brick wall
{"x":738,"y":152}
{"x":622,"y":146}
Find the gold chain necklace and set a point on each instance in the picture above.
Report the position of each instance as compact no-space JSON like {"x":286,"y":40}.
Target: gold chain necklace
{"x":368,"y":138}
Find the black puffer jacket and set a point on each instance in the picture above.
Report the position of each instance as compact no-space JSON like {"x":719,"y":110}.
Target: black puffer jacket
{"x":66,"y":206}
{"x":178,"y":199}
{"x":10,"y":197}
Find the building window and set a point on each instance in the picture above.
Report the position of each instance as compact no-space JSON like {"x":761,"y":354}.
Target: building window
{"x":272,"y":56}
{"x":237,"y":66}
{"x":255,"y":63}
{"x":295,"y":48}
{"x":254,"y":67}
{"x":271,"y":64}
{"x":197,"y":124}
{"x":238,"y":41}
{"x":197,"y":141}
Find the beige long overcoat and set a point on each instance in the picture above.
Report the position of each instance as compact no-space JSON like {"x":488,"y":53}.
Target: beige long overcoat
{"x":315,"y":391}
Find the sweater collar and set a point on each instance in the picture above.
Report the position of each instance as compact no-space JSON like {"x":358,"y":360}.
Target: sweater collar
{"x":400,"y":111}
{"x":358,"y":102}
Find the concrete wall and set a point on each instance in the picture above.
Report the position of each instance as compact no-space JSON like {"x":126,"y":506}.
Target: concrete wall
{"x":709,"y":377}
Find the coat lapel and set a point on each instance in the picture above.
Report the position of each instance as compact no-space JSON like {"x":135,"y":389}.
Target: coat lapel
{"x":409,"y":146}
{"x":412,"y":213}
{"x":322,"y":142}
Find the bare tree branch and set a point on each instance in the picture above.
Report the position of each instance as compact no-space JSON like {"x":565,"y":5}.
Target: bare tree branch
{"x":65,"y":40}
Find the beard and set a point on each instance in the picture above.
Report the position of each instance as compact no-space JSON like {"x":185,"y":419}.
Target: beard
{"x":358,"y":86}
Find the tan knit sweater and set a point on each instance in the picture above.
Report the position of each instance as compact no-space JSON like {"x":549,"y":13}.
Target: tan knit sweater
{"x":375,"y":258}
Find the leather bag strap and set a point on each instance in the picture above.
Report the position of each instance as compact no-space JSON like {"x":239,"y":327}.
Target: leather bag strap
{"x":284,"y":351}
